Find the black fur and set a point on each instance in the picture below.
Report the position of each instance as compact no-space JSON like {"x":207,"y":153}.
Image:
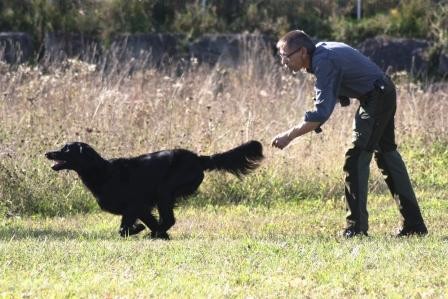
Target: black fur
{"x":133,"y":187}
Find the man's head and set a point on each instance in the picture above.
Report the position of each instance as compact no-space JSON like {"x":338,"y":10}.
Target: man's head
{"x":295,"y":49}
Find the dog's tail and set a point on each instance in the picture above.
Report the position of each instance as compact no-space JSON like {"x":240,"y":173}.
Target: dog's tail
{"x":239,"y":161}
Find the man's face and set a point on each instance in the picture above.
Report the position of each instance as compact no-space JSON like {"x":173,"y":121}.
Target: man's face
{"x":293,"y":59}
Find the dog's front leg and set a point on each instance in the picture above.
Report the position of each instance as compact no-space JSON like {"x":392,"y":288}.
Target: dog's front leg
{"x":128,"y":226}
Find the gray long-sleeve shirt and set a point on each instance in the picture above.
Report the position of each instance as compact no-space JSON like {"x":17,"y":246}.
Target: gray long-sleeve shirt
{"x":340,"y":70}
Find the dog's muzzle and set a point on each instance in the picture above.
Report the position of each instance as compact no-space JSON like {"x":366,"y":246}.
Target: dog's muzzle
{"x":59,"y":163}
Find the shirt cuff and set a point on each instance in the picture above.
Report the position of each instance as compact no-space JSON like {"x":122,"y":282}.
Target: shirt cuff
{"x":313,"y":116}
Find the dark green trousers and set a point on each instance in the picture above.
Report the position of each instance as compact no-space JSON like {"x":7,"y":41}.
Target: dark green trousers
{"x":374,"y":134}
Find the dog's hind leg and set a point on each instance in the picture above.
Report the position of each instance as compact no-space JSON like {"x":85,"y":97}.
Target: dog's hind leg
{"x":166,"y":215}
{"x":185,"y":182}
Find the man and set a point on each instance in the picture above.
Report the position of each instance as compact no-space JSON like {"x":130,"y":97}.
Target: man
{"x":342,"y":72}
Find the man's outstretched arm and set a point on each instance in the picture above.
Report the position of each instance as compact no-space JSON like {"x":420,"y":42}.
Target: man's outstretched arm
{"x":283,"y":139}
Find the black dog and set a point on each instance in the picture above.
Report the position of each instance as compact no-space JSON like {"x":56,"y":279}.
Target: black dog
{"x":132,"y":187}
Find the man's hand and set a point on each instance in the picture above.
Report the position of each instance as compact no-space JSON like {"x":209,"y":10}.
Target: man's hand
{"x":281,"y":140}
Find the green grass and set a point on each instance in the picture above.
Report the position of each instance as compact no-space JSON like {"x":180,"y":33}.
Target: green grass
{"x":287,"y":250}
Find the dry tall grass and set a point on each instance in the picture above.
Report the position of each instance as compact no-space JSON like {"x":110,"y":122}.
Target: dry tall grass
{"x":205,"y":109}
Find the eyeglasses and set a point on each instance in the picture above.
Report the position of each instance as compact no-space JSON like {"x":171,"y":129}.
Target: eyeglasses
{"x":286,"y":57}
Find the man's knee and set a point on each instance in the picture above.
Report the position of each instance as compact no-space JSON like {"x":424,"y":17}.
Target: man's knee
{"x":351,"y":158}
{"x":355,"y":158}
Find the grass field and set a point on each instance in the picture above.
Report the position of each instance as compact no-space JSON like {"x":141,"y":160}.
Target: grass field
{"x":287,"y":250}
{"x":274,"y":234}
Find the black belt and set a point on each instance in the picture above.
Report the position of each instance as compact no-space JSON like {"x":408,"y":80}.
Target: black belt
{"x":379,"y":86}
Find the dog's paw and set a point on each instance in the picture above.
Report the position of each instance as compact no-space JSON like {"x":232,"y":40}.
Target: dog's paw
{"x":163,"y":235}
{"x":160,"y":235}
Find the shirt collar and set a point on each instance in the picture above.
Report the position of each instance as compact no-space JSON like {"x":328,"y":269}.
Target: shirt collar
{"x":310,"y":69}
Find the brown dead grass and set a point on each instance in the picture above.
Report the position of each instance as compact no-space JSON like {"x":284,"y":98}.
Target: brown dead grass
{"x":206,"y":110}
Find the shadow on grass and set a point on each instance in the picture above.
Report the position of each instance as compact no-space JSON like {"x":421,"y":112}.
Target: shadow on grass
{"x":20,"y":233}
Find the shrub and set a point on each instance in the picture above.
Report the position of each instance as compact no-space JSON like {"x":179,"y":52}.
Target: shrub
{"x":411,"y":18}
{"x":195,"y":20}
{"x":353,"y":31}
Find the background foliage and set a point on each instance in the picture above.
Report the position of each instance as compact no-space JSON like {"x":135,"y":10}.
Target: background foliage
{"x":323,"y":18}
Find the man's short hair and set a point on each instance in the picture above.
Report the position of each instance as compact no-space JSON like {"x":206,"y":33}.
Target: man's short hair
{"x":296,"y":39}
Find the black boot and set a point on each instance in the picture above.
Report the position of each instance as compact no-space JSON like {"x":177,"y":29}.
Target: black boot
{"x":418,"y":230}
{"x":351,"y":232}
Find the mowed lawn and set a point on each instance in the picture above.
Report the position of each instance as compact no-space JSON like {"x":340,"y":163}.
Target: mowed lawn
{"x":286,"y":250}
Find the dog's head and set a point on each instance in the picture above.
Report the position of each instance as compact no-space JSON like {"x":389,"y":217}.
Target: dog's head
{"x":73,"y":156}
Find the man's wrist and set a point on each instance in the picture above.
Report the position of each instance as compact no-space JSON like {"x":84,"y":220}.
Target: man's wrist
{"x":292,"y":134}
{"x":303,"y":128}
